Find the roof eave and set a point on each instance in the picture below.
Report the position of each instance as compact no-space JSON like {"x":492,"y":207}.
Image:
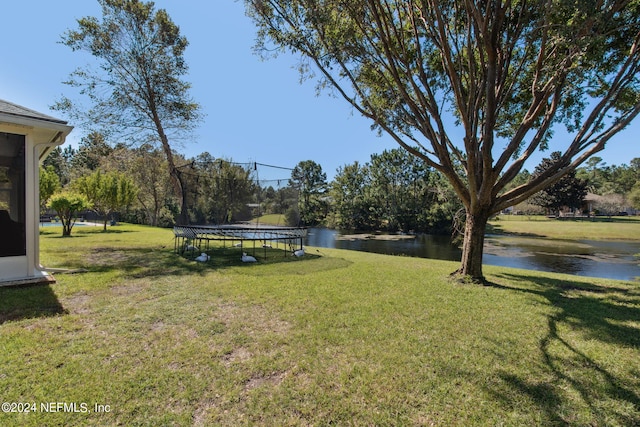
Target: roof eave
{"x":30,"y":122}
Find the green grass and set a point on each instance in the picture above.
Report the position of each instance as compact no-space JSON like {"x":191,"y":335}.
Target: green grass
{"x":334,"y":338}
{"x":272,"y":219}
{"x":599,"y":228}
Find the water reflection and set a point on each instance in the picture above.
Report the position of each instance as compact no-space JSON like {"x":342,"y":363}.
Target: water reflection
{"x":423,"y":245}
{"x":593,"y":258}
{"x":607,"y":259}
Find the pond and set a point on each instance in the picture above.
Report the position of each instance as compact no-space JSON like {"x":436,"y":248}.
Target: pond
{"x":606,"y":259}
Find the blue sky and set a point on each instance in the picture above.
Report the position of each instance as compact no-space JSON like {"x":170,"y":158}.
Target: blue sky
{"x":256,"y":111}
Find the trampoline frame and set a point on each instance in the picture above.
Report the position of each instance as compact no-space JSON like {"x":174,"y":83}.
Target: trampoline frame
{"x":196,"y":235}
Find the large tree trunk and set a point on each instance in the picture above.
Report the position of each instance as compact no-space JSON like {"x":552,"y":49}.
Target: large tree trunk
{"x":181,"y":188}
{"x":472,"y":247}
{"x":174,"y":172}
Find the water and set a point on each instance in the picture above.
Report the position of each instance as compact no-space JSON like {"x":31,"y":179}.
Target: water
{"x":606,"y":259}
{"x":59,"y":224}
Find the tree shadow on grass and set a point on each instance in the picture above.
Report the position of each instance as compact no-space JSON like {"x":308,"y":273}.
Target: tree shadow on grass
{"x":583,"y":314}
{"x":27,"y":302}
{"x":33,"y":301}
{"x":149,"y":263}
{"x":76,"y":232}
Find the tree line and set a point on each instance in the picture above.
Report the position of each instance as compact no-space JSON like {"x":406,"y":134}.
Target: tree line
{"x":393,"y":191}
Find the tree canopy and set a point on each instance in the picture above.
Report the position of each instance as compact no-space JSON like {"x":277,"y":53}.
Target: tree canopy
{"x":107,"y":192}
{"x":48,"y":183}
{"x":473,"y":89}
{"x":568,"y":191}
{"x":220,"y":190}
{"x":67,"y":204}
{"x":311,"y":183}
{"x":137,"y":93}
{"x":394,"y":191}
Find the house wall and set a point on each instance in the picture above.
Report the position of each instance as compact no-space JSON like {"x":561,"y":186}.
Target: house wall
{"x":37,"y":139}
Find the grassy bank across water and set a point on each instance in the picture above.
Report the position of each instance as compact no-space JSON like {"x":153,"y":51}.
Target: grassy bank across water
{"x":598,"y":228}
{"x":271,"y":219}
{"x":337,"y":337}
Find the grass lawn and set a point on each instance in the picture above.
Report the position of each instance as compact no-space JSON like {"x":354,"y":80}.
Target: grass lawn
{"x":334,"y":338}
{"x":599,"y":228}
{"x":272,"y":219}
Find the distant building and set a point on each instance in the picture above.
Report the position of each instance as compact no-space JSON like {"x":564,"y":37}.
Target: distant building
{"x":609,"y":205}
{"x":26,"y":138}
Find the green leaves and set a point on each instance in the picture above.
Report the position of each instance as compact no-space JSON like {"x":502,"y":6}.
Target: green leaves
{"x":137,"y":88}
{"x":311,"y":182}
{"x":49,"y":183}
{"x":67,"y":204}
{"x":108,"y":192}
{"x":394,"y":191}
{"x":567,"y":191}
{"x":136,"y":91}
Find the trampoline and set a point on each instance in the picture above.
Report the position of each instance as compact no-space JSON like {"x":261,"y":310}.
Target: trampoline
{"x":237,"y":235}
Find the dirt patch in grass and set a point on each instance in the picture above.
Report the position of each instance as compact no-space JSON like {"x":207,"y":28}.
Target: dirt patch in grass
{"x":103,"y":257}
{"x":251,"y":335}
{"x":78,"y":303}
{"x":239,"y":354}
{"x":272,"y":380}
{"x":254,"y":320}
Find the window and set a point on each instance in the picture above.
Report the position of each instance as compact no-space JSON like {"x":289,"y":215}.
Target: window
{"x":12,"y":195}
